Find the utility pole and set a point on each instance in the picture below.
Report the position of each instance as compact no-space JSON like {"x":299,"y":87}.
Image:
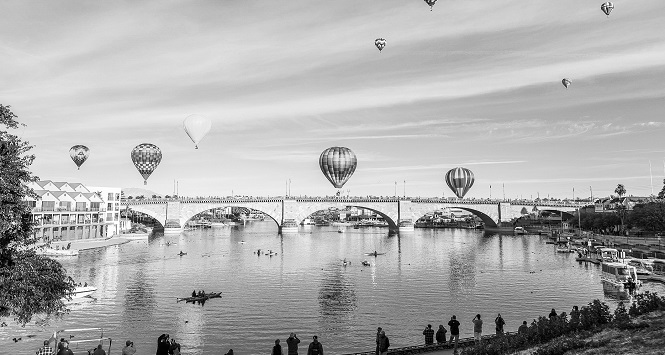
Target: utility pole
{"x":404,"y":188}
{"x":289,"y":187}
{"x":395,"y":189}
{"x":590,"y":189}
{"x":490,"y":192}
{"x":573,"y":194}
{"x":504,"y":190}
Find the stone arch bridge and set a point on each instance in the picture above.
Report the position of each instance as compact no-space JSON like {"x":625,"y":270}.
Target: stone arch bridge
{"x":393,"y":210}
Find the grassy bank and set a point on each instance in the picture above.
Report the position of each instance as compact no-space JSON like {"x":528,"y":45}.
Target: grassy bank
{"x":591,"y":329}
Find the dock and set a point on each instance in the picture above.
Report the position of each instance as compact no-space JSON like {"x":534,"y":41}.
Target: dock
{"x":652,"y":278}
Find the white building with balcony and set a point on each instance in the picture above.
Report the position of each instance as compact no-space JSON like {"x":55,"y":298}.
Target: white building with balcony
{"x":73,"y":211}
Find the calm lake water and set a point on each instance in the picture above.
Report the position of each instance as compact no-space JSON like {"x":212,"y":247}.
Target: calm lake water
{"x":424,"y":277}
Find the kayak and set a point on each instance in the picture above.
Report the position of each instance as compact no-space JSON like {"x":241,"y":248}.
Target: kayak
{"x":200,"y":298}
{"x":374,"y":254}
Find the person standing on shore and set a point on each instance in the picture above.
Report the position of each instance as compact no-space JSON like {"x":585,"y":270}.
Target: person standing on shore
{"x":315,"y":348}
{"x":441,"y":334}
{"x":477,"y":328}
{"x":553,"y":314}
{"x":384,"y":343}
{"x":429,"y":335}
{"x":129,"y":348}
{"x":378,"y":336}
{"x":292,"y":344}
{"x":64,"y":350}
{"x":454,"y":331}
{"x":499,"y":324}
{"x":46,"y":349}
{"x":277,"y":349}
{"x":523,"y":329}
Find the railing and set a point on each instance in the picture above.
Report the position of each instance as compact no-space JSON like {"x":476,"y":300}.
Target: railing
{"x":64,"y":209}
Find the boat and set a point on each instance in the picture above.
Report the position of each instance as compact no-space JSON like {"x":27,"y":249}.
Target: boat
{"x":365,"y":263}
{"x":200,"y":298}
{"x":308,"y":222}
{"x":606,"y":255}
{"x":56,"y":252}
{"x":643,"y":267}
{"x":181,"y":253}
{"x":345,"y":262}
{"x":83,"y":291}
{"x":519,"y":230}
{"x":289,"y":226}
{"x":619,"y":279}
{"x":340,"y":230}
{"x":374,"y":254}
{"x":564,"y":247}
{"x":406,"y":226}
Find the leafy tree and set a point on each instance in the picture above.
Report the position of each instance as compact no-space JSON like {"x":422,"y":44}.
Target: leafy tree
{"x":661,"y":194}
{"x":650,"y":216}
{"x":29,"y":284}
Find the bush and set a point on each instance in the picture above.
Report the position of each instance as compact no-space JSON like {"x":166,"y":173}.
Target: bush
{"x":595,"y":314}
{"x":646,"y":302}
{"x":560,"y":346}
{"x":621,"y":317}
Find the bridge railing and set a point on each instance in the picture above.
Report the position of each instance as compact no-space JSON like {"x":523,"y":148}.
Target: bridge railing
{"x":356,"y":199}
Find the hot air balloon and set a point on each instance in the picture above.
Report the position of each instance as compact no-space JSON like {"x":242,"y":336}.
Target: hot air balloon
{"x":146,"y":157}
{"x":380,"y":43}
{"x":79,"y":154}
{"x":430,"y":3}
{"x":566,"y":82}
{"x":460,"y":181}
{"x":607,"y":8}
{"x":338,"y":164}
{"x":196,"y":127}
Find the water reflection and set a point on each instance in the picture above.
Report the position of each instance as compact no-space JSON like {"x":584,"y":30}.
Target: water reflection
{"x":423,"y":277}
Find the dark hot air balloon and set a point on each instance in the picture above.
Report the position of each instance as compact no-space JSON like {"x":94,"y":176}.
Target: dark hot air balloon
{"x":460,"y":181}
{"x":430,"y":3}
{"x":146,"y":157}
{"x":607,"y":8}
{"x":566,"y":82}
{"x":380,"y":43}
{"x":338,"y":164}
{"x":79,"y":154}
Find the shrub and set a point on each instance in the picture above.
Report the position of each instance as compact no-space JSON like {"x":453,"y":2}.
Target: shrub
{"x":621,"y":317}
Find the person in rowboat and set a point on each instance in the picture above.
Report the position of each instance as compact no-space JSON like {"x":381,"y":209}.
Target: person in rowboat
{"x":194,"y":293}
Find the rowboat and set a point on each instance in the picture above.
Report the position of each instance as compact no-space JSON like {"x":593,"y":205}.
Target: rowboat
{"x":200,"y":298}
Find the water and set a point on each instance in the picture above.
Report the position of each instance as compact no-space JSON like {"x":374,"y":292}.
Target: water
{"x":424,"y":277}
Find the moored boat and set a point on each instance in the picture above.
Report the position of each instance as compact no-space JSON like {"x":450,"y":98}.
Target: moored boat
{"x":406,"y":225}
{"x":619,"y":279}
{"x":289,"y":226}
{"x":56,"y":252}
{"x":519,"y":230}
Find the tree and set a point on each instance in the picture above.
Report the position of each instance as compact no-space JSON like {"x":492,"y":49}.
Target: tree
{"x":650,"y":216}
{"x":661,"y":194}
{"x":29,"y":284}
{"x":621,"y":207}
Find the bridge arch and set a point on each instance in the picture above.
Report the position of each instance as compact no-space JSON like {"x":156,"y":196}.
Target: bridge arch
{"x":487,"y":220}
{"x":150,"y":210}
{"x":270,"y":209}
{"x":300,"y":211}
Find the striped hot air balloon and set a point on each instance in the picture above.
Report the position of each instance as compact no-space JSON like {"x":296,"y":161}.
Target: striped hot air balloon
{"x":146,"y":158}
{"x":338,"y":164}
{"x":430,"y":3}
{"x":79,"y":154}
{"x":460,"y":181}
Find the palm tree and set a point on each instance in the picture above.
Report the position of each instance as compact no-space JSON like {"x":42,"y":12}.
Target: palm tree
{"x":621,"y":207}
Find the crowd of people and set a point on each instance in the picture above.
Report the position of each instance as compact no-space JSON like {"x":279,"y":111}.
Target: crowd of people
{"x":169,"y":346}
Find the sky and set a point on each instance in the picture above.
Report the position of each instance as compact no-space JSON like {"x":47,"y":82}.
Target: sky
{"x":471,"y":83}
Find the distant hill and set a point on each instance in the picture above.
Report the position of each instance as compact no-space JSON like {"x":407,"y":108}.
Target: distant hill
{"x":135,"y":191}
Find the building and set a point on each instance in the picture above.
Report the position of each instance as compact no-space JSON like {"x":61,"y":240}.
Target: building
{"x":611,"y":204}
{"x":73,"y":211}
